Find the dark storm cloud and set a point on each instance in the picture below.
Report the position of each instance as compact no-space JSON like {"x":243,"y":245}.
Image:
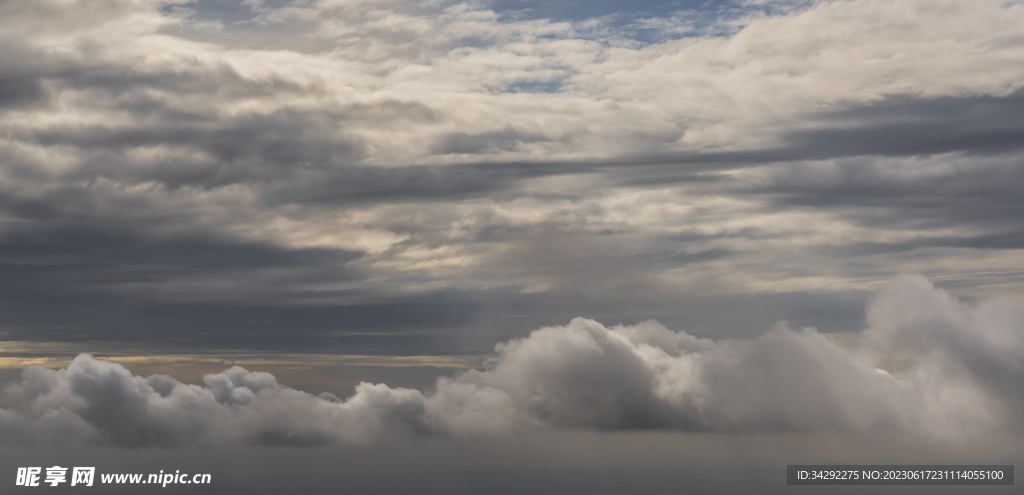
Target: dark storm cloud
{"x":395,"y":326}
{"x":390,"y":326}
{"x":19,"y":90}
{"x":404,"y":184}
{"x":105,"y":246}
{"x":1010,"y":240}
{"x":24,"y":71}
{"x":139,"y":91}
{"x":980,"y":197}
{"x":906,"y":126}
{"x":677,"y":258}
{"x":126,"y":283}
{"x":134,"y":271}
{"x":505,"y":139}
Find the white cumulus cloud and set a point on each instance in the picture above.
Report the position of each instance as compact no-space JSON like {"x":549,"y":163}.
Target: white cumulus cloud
{"x":958,"y":374}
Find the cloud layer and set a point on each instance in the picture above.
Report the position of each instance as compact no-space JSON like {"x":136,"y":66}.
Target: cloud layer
{"x":397,"y":177}
{"x":954,"y":372}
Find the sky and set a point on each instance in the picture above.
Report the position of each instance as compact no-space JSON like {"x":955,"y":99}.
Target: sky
{"x":489,"y":237}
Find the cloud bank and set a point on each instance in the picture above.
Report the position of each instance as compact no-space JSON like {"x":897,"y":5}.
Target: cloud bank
{"x":957,"y":374}
{"x":194,"y":174}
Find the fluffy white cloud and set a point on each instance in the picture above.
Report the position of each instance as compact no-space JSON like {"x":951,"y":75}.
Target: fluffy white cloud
{"x":954,"y":372}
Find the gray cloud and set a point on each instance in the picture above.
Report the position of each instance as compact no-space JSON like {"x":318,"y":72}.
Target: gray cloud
{"x":904,"y":125}
{"x":976,"y":196}
{"x":505,"y":139}
{"x":308,"y":173}
{"x":897,"y":126}
{"x":957,"y":378}
{"x":19,"y":90}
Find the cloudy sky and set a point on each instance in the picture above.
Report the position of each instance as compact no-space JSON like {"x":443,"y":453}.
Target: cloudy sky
{"x":674,"y":218}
